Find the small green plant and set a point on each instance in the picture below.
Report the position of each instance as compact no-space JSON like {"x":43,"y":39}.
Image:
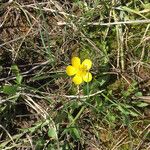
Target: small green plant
{"x":13,"y":88}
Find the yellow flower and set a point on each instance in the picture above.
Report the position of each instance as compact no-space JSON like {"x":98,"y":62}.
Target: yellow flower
{"x":79,"y":70}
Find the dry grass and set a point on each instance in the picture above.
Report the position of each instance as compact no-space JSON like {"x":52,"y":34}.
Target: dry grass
{"x":40,"y":107}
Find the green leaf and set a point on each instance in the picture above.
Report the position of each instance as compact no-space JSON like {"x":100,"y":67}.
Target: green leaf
{"x":10,"y":89}
{"x":142,"y":104}
{"x":129,"y":10}
{"x":75,"y":133}
{"x":1,"y":68}
{"x":52,"y":133}
{"x":40,"y":144}
{"x":19,"y":79}
{"x":138,"y":94}
{"x":124,"y":111}
{"x":111,"y":117}
{"x":15,"y":70}
{"x":34,"y":128}
{"x":133,"y":113}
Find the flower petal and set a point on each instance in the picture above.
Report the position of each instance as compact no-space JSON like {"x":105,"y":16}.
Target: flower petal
{"x":76,"y":62}
{"x":70,"y":70}
{"x":87,"y":77}
{"x":87,"y":64}
{"x":77,"y":79}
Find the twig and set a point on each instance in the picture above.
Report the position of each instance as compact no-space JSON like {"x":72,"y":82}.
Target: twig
{"x":50,"y":10}
{"x":66,"y":96}
{"x":10,"y":99}
{"x":143,"y":98}
{"x":5,"y":17}
{"x":18,"y":38}
{"x":7,"y":133}
{"x":110,"y":23}
{"x":144,"y":137}
{"x":26,"y":73}
{"x":82,"y":96}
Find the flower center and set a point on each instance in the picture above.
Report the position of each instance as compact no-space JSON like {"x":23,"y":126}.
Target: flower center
{"x":82,"y":70}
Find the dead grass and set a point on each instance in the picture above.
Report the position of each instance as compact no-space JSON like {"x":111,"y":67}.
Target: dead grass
{"x":40,"y":108}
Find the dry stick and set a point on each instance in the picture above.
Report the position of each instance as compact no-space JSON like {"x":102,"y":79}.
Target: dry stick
{"x":49,"y":10}
{"x":11,"y":41}
{"x":116,"y":146}
{"x":122,"y":49}
{"x":30,"y":141}
{"x":118,"y":39}
{"x":68,"y":96}
{"x":27,"y":75}
{"x":10,"y":1}
{"x":144,"y":38}
{"x":14,"y":40}
{"x":5,"y":17}
{"x":120,"y":22}
{"x":87,"y":39}
{"x":41,"y":111}
{"x":144,"y":45}
{"x":35,"y":106}
{"x":144,"y":138}
{"x":23,"y":40}
{"x":24,"y":74}
{"x":142,"y":98}
{"x":108,"y":28}
{"x":34,"y":4}
{"x":110,"y":23}
{"x":35,"y":21}
{"x":89,"y":23}
{"x":82,"y":96}
{"x":9,"y":99}
{"x":7,"y":134}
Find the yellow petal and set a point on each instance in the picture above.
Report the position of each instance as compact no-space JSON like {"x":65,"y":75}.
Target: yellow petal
{"x":77,"y":79}
{"x":87,"y":77}
{"x":70,"y":70}
{"x":87,"y":64}
{"x":76,"y":62}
